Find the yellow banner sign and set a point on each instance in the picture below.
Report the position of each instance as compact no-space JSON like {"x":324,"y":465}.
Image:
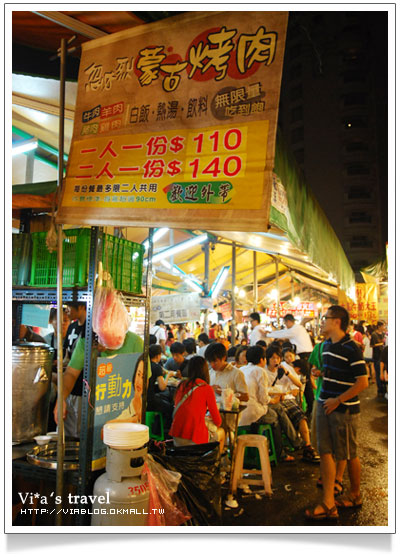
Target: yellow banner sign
{"x":175,"y":124}
{"x":366,"y":306}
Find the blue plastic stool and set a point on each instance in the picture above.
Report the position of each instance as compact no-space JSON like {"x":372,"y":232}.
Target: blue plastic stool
{"x":150,"y":419}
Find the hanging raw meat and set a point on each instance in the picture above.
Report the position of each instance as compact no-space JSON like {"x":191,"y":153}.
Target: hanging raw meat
{"x":110,"y":318}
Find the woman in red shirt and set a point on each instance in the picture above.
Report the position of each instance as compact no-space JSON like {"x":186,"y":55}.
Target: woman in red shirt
{"x":193,"y":398}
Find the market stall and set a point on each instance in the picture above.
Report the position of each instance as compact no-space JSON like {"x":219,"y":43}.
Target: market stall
{"x":294,"y":244}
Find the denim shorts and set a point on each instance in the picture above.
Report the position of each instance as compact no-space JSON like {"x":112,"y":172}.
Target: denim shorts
{"x":337,"y":433}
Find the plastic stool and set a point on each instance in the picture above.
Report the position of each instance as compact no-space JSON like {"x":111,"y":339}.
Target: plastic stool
{"x":244,"y":429}
{"x":151,"y":417}
{"x":266,"y":430}
{"x":251,"y":455}
{"x":259,"y":442}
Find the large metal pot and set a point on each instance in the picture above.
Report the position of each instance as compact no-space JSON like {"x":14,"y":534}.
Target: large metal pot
{"x":31,"y":381}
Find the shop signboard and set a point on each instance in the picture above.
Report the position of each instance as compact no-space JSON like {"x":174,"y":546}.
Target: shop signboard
{"x":303,"y":309}
{"x":366,"y":305}
{"x":175,"y":123}
{"x":175,"y":308}
{"x":383,"y":301}
{"x":226,"y":311}
{"x":117,"y":397}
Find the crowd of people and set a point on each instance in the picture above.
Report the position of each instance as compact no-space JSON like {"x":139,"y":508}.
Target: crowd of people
{"x":305,"y":388}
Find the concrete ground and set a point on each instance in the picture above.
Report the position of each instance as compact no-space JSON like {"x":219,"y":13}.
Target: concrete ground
{"x":294,"y":484}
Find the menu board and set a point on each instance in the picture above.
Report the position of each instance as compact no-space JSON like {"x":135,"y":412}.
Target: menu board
{"x":175,"y":124}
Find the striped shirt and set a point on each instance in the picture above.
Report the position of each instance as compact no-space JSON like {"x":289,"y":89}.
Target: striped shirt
{"x":343,"y":363}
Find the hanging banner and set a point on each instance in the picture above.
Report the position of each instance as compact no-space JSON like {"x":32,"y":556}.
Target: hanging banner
{"x":383,"y":301}
{"x":175,"y":123}
{"x":175,"y":308}
{"x":303,"y":309}
{"x":366,"y":305}
{"x":118,"y":397}
{"x":367,"y":302}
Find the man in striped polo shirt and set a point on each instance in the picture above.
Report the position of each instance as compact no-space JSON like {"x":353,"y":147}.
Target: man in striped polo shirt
{"x":338,"y":412}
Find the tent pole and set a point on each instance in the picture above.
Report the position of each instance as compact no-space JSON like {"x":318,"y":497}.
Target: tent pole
{"x":60,"y":386}
{"x":206,"y":248}
{"x":233,"y":325}
{"x":255,"y":285}
{"x":146,"y":371}
{"x":30,"y":163}
{"x":278,"y":294}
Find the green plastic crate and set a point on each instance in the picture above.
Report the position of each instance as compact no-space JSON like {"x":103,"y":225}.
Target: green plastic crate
{"x":21,"y":259}
{"x":124,"y":261}
{"x":75,"y":259}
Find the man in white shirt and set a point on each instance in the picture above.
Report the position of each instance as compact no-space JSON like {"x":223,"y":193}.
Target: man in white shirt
{"x":257,"y":411}
{"x":224,"y":375}
{"x":257,"y":332}
{"x":297,"y":335}
{"x":159,"y":332}
{"x":203,"y":341}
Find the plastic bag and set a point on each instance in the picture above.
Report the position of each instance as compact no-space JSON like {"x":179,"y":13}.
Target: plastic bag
{"x":163,"y":484}
{"x":227,"y":398}
{"x":110,"y":318}
{"x":200,"y":485}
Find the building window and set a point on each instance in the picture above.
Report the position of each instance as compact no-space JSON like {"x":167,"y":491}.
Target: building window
{"x":361,"y":242}
{"x":360,"y":217}
{"x":357,"y":169}
{"x":356,"y":146}
{"x":352,"y":99}
{"x":353,"y":76}
{"x":353,"y":57}
{"x":354,"y":122}
{"x":359,"y":192}
{"x":296,"y":114}
{"x":295,"y":71}
{"x":297,"y":135}
{"x":296,"y":93}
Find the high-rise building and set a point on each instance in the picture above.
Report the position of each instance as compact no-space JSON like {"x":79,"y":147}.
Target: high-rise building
{"x":333,"y":116}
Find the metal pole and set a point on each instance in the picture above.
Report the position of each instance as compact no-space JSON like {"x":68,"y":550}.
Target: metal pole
{"x":89,"y":377}
{"x":278,"y":295}
{"x":30,"y":163}
{"x":147,"y":325}
{"x":255,"y":285}
{"x":206,"y":279}
{"x":233,"y":325}
{"x":60,"y":382}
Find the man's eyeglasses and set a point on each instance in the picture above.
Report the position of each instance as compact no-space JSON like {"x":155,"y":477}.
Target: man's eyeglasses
{"x":325,"y":317}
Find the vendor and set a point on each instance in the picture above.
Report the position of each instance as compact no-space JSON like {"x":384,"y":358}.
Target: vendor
{"x":73,"y":380}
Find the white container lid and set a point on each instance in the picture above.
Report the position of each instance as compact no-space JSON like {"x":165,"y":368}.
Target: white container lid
{"x":121,"y":435}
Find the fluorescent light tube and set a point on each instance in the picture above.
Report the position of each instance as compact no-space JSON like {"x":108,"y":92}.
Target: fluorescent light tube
{"x":179,"y":247}
{"x":159,"y":233}
{"x":219,"y":281}
{"x":24,"y":146}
